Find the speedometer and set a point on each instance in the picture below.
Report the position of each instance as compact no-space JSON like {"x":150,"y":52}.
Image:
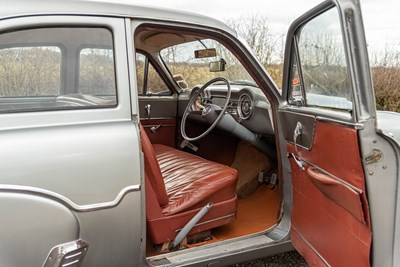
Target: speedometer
{"x":245,"y":106}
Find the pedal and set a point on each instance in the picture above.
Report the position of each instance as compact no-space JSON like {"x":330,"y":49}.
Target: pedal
{"x":271,"y":179}
{"x":274,"y":179}
{"x":186,"y":143}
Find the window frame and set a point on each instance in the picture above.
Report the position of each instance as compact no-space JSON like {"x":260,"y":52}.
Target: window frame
{"x":127,"y":102}
{"x":63,"y":69}
{"x":147,"y":63}
{"x":344,"y":114}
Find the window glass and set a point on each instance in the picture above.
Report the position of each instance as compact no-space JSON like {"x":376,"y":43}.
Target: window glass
{"x":324,"y":68}
{"x":149,"y":81}
{"x":56,"y":68}
{"x":140,"y":63}
{"x":296,"y":95}
{"x":30,"y":71}
{"x":96,"y":72}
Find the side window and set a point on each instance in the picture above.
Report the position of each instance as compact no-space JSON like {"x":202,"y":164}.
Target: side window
{"x":96,"y":71}
{"x":43,"y":69}
{"x":30,"y":71}
{"x":323,"y":73}
{"x":149,"y":81}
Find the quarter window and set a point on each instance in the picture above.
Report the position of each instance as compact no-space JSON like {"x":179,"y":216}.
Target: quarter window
{"x":149,"y":81}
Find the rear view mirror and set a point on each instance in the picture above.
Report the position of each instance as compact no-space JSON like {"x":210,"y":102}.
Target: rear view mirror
{"x":211,"y":52}
{"x":217,"y":66}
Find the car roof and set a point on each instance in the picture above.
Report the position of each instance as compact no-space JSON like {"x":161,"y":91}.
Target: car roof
{"x":18,"y":8}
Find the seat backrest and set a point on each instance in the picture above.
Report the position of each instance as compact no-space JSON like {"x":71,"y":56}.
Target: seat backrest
{"x":152,"y":169}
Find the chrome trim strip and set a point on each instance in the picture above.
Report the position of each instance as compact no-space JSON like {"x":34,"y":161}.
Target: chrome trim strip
{"x":153,"y":125}
{"x":158,"y":118}
{"x":357,"y":126}
{"x":333,"y":177}
{"x":310,"y":246}
{"x":66,"y":201}
{"x":209,"y":221}
{"x":298,"y":145}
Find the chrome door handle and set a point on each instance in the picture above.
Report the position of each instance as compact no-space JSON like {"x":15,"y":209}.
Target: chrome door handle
{"x":148,"y":110}
{"x":297,"y":132}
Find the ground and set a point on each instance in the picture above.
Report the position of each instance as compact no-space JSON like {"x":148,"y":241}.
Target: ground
{"x":281,"y":260}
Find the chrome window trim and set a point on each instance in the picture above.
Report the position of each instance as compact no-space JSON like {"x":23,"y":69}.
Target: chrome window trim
{"x":6,"y":188}
{"x":357,"y":126}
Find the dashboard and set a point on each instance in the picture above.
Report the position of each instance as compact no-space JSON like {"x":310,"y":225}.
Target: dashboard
{"x":248,"y":106}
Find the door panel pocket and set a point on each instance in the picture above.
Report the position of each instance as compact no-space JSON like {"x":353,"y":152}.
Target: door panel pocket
{"x":339,"y":192}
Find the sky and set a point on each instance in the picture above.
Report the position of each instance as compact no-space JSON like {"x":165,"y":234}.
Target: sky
{"x":381,"y":17}
{"x":280,"y":13}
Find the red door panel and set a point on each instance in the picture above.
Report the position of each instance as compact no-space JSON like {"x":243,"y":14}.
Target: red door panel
{"x":338,"y":192}
{"x":330,"y":221}
{"x":165,"y":133}
{"x":335,"y":150}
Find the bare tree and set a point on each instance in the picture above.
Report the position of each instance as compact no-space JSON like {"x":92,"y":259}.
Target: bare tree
{"x":267,"y":45}
{"x":385,"y":68}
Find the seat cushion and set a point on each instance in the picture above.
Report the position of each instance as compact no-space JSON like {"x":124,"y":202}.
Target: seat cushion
{"x":191,"y":181}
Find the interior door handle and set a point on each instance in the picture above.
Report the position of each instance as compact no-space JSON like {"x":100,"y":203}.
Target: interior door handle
{"x":296,"y":133}
{"x":147,"y":108}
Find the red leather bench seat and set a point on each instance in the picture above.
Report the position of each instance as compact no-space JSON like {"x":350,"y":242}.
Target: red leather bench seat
{"x":192,"y":182}
{"x":178,"y":185}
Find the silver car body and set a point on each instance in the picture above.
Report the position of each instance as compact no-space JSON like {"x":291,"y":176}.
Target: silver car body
{"x":72,"y":175}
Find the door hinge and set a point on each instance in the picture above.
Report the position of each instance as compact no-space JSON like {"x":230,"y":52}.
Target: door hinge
{"x":374,"y":156}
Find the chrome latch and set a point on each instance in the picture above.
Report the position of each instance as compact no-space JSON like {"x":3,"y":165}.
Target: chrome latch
{"x":298,"y":161}
{"x":154,"y":129}
{"x":373,"y":157}
{"x":69,"y":254}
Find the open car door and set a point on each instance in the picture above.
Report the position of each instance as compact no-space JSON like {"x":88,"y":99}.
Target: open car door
{"x":327,"y":113}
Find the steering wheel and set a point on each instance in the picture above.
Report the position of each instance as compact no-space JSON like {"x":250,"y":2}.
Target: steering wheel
{"x":211,"y":113}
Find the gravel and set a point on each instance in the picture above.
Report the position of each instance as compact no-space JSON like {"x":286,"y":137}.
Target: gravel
{"x":280,"y":260}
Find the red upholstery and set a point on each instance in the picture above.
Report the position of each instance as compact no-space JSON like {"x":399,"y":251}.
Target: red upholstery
{"x":189,"y":183}
{"x":152,"y":169}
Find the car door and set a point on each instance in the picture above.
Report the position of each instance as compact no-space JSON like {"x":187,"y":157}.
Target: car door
{"x":70,"y":188}
{"x":327,"y":113}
